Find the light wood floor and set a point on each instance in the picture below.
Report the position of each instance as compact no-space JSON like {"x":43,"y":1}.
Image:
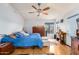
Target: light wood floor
{"x":57,"y":49}
{"x":30,"y":51}
{"x":62,"y":49}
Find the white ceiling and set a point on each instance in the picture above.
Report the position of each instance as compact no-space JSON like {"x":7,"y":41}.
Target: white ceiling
{"x":56,"y":9}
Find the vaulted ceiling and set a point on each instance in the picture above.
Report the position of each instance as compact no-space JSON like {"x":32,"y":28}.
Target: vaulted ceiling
{"x":57,"y":10}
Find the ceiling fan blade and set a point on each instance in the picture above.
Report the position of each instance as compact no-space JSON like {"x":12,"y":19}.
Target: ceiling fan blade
{"x":45,"y":13}
{"x":47,"y":8}
{"x":30,"y":12}
{"x":34,"y":7}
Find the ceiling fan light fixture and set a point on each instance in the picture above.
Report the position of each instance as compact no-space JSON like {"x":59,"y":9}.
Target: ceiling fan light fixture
{"x":39,"y":10}
{"x":39,"y":4}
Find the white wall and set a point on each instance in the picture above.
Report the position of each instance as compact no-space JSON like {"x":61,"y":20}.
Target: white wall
{"x":35,"y":22}
{"x":10,"y":20}
{"x":70,"y":25}
{"x":71,"y":28}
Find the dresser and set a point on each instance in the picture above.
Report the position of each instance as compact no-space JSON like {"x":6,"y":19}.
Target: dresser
{"x":39,"y":29}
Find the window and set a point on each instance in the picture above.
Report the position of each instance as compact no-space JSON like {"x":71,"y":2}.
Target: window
{"x":49,"y":27}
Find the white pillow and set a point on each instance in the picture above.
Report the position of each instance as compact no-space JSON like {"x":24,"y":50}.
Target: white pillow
{"x":26,"y":34}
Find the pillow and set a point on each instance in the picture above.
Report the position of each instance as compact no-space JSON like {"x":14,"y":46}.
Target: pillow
{"x":26,"y":34}
{"x":12,"y":36}
{"x":18,"y":34}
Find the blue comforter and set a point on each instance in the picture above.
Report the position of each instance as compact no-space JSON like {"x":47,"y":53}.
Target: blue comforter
{"x":24,"y":41}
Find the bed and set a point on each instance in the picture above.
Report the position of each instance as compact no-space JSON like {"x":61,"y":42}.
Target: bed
{"x":22,"y":40}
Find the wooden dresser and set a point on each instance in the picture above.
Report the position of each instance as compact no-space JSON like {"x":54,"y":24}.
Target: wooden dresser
{"x":39,"y":29}
{"x":62,"y":37}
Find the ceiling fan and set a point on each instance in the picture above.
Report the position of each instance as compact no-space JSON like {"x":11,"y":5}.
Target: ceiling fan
{"x":39,"y":10}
